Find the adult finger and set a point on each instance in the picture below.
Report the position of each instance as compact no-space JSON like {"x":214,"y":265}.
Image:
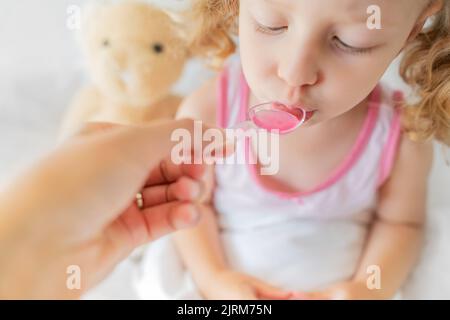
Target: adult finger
{"x":170,"y":217}
{"x":184,"y":189}
{"x":167,"y":171}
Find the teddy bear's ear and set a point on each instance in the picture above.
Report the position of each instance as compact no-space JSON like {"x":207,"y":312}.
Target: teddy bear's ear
{"x":176,"y":17}
{"x":180,"y":30}
{"x":89,"y":12}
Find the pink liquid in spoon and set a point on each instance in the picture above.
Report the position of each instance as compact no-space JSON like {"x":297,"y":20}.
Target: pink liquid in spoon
{"x":276,"y":116}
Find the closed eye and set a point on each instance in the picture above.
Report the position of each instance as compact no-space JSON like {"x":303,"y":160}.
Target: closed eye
{"x":341,"y":45}
{"x":270,"y":30}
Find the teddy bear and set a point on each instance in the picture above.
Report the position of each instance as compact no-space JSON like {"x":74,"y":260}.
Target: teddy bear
{"x":135,"y":53}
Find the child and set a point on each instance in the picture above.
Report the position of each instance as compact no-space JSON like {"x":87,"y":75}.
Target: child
{"x":343,"y":217}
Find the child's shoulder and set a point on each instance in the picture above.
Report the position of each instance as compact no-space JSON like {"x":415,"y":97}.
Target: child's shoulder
{"x":201,"y":103}
{"x":412,"y":160}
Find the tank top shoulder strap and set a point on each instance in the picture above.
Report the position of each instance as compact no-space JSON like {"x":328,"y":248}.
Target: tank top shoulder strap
{"x":229,"y":92}
{"x":391,"y":145}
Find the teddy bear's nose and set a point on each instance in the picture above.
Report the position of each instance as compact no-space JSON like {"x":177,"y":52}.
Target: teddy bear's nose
{"x":126,"y":77}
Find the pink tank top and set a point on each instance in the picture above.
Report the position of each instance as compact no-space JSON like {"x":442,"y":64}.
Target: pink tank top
{"x":350,"y":192}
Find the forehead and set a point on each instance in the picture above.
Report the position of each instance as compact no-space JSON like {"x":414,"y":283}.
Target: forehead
{"x":392,"y":11}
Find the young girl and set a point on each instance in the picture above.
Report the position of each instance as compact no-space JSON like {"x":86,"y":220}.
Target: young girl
{"x":343,"y":217}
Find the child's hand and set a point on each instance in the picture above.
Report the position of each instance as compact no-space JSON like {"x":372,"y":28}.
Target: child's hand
{"x":350,"y":290}
{"x":230,"y":285}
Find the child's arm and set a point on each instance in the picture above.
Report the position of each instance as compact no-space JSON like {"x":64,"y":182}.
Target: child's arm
{"x":395,"y":238}
{"x":200,"y":247}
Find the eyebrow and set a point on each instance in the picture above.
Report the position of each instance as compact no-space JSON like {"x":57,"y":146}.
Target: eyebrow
{"x":356,"y":9}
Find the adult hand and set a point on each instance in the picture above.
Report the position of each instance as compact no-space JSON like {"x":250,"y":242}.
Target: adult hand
{"x":77,"y":208}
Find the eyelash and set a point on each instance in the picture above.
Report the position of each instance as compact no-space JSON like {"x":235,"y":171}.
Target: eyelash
{"x":268,"y":30}
{"x":338,"y":43}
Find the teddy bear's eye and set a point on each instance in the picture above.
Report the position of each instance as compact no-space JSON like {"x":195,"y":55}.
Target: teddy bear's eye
{"x":105,"y":43}
{"x":158,"y":48}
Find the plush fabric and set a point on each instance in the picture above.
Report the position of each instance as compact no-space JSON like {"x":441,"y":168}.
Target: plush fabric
{"x":135,"y":53}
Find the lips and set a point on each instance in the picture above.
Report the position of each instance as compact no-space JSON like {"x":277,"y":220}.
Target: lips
{"x":309,"y":111}
{"x":299,"y":105}
{"x":309,"y":114}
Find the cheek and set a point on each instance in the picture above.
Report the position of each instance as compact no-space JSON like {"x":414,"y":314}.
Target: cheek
{"x":346,"y":85}
{"x":256,"y":49}
{"x":258,"y":63}
{"x":248,"y":49}
{"x":345,"y":92}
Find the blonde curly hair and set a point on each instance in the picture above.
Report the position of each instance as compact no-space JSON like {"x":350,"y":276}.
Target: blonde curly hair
{"x":425,"y":66}
{"x":211,"y":25}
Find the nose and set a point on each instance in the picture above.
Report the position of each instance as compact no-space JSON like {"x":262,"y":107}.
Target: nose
{"x":120,"y":66}
{"x":298,"y":66}
{"x":126,"y":76}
